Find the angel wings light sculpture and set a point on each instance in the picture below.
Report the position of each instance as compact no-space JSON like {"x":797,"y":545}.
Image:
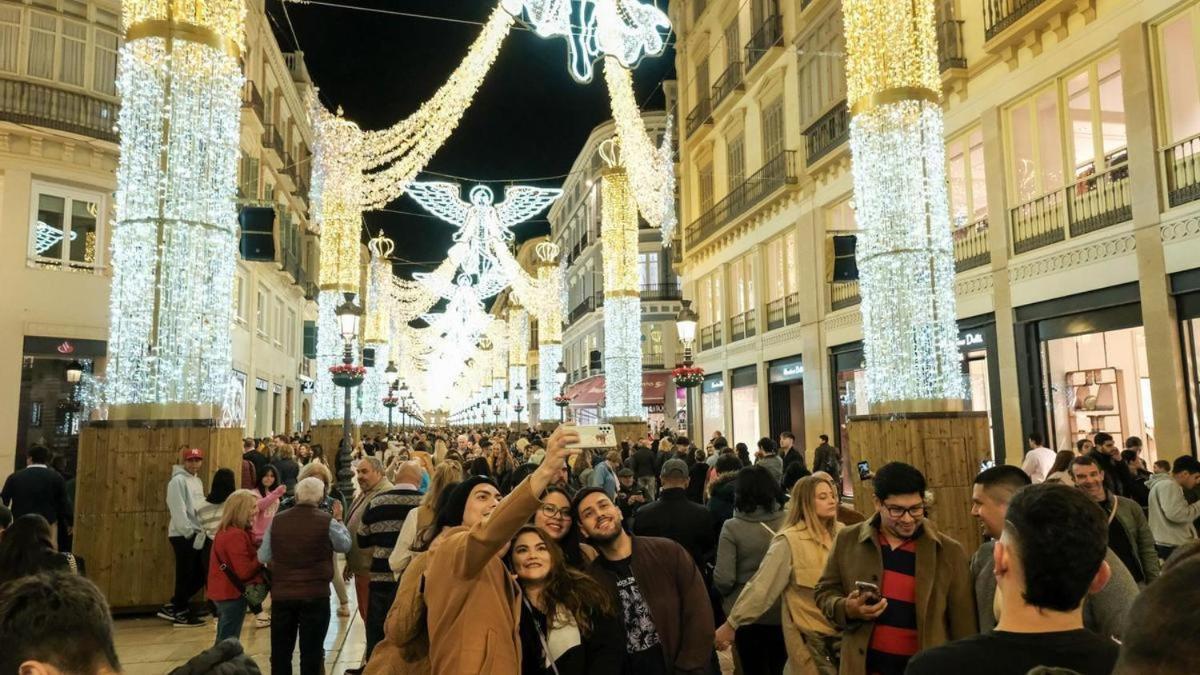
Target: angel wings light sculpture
{"x":482,"y":226}
{"x":628,"y":30}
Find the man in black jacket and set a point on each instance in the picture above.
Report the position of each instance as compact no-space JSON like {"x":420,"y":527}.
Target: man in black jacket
{"x":38,"y":489}
{"x":255,"y":457}
{"x":644,"y":464}
{"x":677,"y":518}
{"x":1117,"y":477}
{"x":789,"y":452}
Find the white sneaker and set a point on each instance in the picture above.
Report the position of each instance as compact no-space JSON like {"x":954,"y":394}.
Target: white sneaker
{"x":262,"y":621}
{"x":344,"y":609}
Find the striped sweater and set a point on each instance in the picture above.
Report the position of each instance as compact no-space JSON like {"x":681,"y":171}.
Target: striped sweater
{"x":380,"y":528}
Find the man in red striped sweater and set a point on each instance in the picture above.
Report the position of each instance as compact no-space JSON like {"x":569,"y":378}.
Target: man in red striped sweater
{"x":894,"y":584}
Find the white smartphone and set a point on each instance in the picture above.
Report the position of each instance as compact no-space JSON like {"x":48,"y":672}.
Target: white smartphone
{"x":595,"y":436}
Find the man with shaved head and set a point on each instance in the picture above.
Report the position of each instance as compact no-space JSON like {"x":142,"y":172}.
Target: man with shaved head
{"x":378,"y":532}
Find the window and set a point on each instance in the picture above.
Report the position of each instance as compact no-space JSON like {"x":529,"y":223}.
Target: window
{"x":1178,"y":72}
{"x":781,"y":267}
{"x":279,"y":327}
{"x":965,"y":173}
{"x":74,"y":52}
{"x":291,"y":332}
{"x":1094,"y":141}
{"x":65,"y":227}
{"x":648,"y":269}
{"x":42,"y":34}
{"x":741,"y":284}
{"x":772,"y":123}
{"x":239,"y":299}
{"x":702,"y":86}
{"x":10,"y":38}
{"x":733,"y":43}
{"x":104,"y":67}
{"x":262,"y":320}
{"x":248,"y":177}
{"x":711,"y":299}
{"x":841,"y":216}
{"x":821,"y":69}
{"x":735,"y":161}
{"x":705,"y":177}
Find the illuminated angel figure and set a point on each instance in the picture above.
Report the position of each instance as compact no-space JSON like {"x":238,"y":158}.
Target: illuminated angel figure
{"x":625,"y":29}
{"x":482,"y":225}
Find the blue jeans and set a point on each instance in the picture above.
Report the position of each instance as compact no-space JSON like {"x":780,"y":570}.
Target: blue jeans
{"x":230,"y":615}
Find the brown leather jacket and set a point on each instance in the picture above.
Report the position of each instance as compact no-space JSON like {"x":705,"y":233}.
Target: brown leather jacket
{"x":945,"y":594}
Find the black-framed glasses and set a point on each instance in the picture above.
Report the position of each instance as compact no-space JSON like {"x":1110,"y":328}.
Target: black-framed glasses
{"x":552,"y":511}
{"x":897,"y":512}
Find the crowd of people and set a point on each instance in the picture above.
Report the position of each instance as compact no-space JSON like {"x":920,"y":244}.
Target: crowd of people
{"x":493,"y":551}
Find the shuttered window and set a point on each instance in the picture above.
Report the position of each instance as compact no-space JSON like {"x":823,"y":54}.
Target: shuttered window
{"x":10,"y":38}
{"x":104,"y":68}
{"x":42,"y":35}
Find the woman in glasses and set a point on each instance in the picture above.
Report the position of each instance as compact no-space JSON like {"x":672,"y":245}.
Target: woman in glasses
{"x":568,"y":622}
{"x":554,"y":518}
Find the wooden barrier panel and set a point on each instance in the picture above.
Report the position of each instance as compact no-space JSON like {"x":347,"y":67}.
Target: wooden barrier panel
{"x":946,"y":446}
{"x":121,"y":511}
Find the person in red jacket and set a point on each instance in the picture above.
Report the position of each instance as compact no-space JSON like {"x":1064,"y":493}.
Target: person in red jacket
{"x":234,"y":556}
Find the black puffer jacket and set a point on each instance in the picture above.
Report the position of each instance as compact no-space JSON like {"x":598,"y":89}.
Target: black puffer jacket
{"x":720,"y":498}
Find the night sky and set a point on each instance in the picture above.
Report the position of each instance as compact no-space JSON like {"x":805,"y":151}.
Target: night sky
{"x":529,"y":118}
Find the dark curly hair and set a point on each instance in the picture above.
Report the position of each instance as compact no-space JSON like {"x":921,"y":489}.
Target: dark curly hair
{"x":567,"y":587}
{"x":757,"y":490}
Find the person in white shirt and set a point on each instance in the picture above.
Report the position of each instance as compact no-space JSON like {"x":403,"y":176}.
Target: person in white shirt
{"x":1039,"y":459}
{"x":1170,"y":514}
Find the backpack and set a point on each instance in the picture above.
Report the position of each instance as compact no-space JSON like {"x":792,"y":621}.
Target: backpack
{"x":249,"y":475}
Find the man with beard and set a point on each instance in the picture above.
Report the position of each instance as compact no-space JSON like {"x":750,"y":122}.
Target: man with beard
{"x":664,"y":604}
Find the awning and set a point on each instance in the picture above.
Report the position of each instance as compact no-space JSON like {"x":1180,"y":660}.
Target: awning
{"x":590,"y":392}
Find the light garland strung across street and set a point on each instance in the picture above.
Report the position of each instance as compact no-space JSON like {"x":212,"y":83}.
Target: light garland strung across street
{"x":394,"y":156}
{"x":622,"y":297}
{"x":651,"y":171}
{"x":174,"y":239}
{"x":905,"y":252}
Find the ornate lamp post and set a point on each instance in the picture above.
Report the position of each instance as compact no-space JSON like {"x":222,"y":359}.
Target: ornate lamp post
{"x":348,"y":316}
{"x":685,"y":326}
{"x":560,"y":379}
{"x":519,"y":404}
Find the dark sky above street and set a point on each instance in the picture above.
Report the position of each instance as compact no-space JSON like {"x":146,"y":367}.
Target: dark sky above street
{"x":529,"y":118}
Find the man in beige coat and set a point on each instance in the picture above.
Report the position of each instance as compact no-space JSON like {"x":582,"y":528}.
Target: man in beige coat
{"x":371,"y":481}
{"x":916,"y":593}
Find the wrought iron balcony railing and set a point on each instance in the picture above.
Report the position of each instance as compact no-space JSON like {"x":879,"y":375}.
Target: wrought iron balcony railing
{"x":1089,"y":204}
{"x":829,"y":131}
{"x":777,"y":172}
{"x":53,"y":108}
{"x":729,"y":82}
{"x":971,"y":246}
{"x":769,"y":34}
{"x":1181,"y":166}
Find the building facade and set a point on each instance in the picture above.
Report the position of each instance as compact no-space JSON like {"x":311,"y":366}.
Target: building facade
{"x":58,"y":159}
{"x":575,"y":227}
{"x":1071,"y":138}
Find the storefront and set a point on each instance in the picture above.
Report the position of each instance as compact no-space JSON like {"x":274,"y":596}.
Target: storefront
{"x":587,"y":398}
{"x":745,"y":406}
{"x":785,"y":397}
{"x":1082,"y":368}
{"x":712,"y":408}
{"x":980,"y":369}
{"x":51,"y":407}
{"x":1186,"y":288}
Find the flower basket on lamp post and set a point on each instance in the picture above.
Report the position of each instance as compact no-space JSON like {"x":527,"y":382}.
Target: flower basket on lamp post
{"x":562,"y":401}
{"x":688,"y":377}
{"x":391,"y":402}
{"x":347,"y":375}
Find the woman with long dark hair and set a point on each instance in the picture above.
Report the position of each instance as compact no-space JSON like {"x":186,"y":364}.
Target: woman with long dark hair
{"x":569,"y":623}
{"x":210,"y":511}
{"x":554,"y":518}
{"x":27,"y":549}
{"x":269,"y":489}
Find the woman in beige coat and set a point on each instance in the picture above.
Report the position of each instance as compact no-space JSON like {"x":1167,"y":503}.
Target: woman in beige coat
{"x":791,"y":567}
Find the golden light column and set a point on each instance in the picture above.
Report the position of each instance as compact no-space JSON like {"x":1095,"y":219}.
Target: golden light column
{"x":905,"y":249}
{"x":622,"y":292}
{"x":549,"y":318}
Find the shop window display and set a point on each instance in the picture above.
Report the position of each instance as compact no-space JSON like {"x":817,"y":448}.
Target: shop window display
{"x":1099,"y":382}
{"x":745,"y":415}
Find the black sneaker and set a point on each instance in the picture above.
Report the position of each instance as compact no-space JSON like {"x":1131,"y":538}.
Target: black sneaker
{"x":187,"y":620}
{"x":167,"y":612}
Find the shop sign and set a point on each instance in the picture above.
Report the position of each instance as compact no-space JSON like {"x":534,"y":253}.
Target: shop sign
{"x":971,"y":339}
{"x":261,"y":384}
{"x":278,"y":389}
{"x":713,"y":384}
{"x":307,"y":386}
{"x":785,"y":370}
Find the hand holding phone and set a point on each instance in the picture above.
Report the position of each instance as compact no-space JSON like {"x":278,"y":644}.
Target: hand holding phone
{"x":595,"y":436}
{"x":865,"y":602}
{"x":864,"y":470}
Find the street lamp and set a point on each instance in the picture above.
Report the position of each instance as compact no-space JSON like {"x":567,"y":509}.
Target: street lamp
{"x":74,"y":372}
{"x":519,"y":394}
{"x":348,"y":315}
{"x":560,"y":379}
{"x":685,"y":326}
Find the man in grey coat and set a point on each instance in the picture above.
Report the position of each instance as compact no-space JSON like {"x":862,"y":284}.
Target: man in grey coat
{"x":768,"y":457}
{"x":1103,"y":612}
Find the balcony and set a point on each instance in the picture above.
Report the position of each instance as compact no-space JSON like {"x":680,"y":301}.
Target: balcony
{"x":729,"y":82}
{"x":310,"y":288}
{"x":843,"y":294}
{"x":589,"y":305}
{"x":1089,"y":204}
{"x":1181,"y":166}
{"x":252,"y":100}
{"x":1009,"y":25}
{"x":776,"y":173}
{"x":971,"y":248}
{"x":667,"y":291}
{"x":744,"y":325}
{"x":711,"y":337}
{"x":1000,"y":14}
{"x":830,"y":131}
{"x":950,"y":45}
{"x":768,"y":35}
{"x":700,"y":115}
{"x":53,"y":108}
{"x":783,"y":312}
{"x":273,"y":141}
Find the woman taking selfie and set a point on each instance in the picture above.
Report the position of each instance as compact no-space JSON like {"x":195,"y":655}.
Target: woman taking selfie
{"x":791,"y":568}
{"x":568,"y":623}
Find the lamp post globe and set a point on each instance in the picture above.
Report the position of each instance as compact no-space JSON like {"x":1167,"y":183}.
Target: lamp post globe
{"x":685,"y":327}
